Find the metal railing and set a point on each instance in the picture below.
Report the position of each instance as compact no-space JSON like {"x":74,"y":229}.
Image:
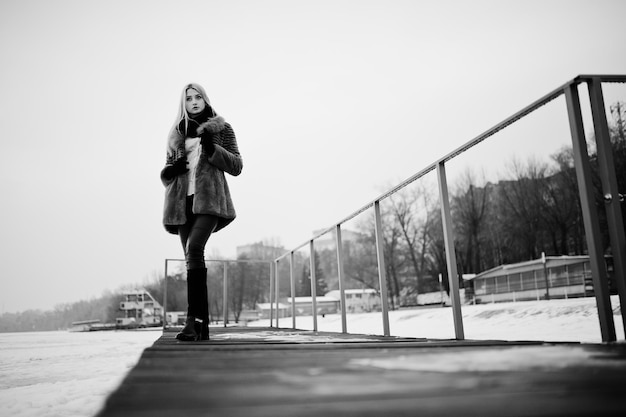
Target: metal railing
{"x":224,"y":263}
{"x":589,"y":210}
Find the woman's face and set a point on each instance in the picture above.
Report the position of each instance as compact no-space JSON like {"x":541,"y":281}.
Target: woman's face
{"x":194,"y":103}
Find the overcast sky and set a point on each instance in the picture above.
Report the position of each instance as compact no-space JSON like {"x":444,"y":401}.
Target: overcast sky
{"x":330,"y":101}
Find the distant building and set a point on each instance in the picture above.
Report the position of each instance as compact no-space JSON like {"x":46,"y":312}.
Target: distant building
{"x":260,"y":250}
{"x":263,"y":309}
{"x":358,"y":301}
{"x":329,"y":240}
{"x":175,"y":318}
{"x":563,"y":276}
{"x":304,"y":305}
{"x":140,"y":310}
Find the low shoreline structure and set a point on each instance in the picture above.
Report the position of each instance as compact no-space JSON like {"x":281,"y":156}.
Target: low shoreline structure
{"x":96,"y":325}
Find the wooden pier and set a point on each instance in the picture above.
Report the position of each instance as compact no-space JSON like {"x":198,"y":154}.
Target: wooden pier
{"x":283,"y":372}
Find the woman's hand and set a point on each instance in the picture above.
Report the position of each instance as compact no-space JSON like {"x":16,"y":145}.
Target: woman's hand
{"x":206,"y":140}
{"x":179,"y":167}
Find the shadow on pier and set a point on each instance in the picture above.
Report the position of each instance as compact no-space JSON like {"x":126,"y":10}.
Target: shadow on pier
{"x":286,"y":372}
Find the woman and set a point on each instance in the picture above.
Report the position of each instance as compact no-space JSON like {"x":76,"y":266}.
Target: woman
{"x":201,"y":147}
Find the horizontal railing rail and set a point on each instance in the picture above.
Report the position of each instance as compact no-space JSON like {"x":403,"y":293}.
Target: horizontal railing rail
{"x":569,"y":89}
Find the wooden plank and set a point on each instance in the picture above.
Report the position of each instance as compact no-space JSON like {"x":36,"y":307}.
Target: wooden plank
{"x":353,"y":375}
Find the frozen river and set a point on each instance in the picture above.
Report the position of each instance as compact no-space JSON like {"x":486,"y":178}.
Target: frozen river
{"x":63,"y":374}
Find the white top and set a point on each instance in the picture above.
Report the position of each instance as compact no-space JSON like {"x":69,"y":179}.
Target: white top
{"x":193,"y":150}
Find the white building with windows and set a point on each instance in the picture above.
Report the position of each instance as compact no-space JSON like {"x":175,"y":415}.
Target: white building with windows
{"x":140,"y":310}
{"x":358,"y":301}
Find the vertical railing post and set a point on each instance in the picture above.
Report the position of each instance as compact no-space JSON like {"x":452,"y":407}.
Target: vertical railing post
{"x":584,"y":279}
{"x":610,"y":191}
{"x":293,"y":290}
{"x":165,"y":298}
{"x":566,"y":281}
{"x":546,"y":274}
{"x":590,"y":215}
{"x":382,"y":271}
{"x":225,"y":295}
{"x":271,"y":297}
{"x":313,"y":285}
{"x":448,"y":237}
{"x":342,"y":295}
{"x":277,"y":289}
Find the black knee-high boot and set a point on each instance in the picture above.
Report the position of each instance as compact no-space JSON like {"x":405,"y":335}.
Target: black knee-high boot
{"x":203,"y":303}
{"x":196,"y":300}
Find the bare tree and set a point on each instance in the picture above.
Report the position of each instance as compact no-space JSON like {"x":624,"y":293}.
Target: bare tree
{"x":411,"y":211}
{"x":561,"y":209}
{"x":522,"y":204}
{"x":470,"y":207}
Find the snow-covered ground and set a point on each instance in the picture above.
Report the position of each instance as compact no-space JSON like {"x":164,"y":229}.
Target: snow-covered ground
{"x":574,"y":319}
{"x":62,"y":374}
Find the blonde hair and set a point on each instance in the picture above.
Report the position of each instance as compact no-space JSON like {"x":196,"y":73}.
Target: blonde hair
{"x":176,"y":134}
{"x":182,"y":110}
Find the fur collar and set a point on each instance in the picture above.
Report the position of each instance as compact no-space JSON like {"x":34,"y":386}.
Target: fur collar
{"x":208,"y":126}
{"x":176,"y":140}
{"x":212,"y":125}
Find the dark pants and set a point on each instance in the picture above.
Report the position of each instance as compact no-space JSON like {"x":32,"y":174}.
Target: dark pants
{"x":195,"y":234}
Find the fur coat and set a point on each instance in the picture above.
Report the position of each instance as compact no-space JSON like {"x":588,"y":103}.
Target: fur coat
{"x":212,"y":195}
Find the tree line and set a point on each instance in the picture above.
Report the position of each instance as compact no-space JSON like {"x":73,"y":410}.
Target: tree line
{"x":103,"y":308}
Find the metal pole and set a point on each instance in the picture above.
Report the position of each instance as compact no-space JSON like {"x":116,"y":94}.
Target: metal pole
{"x":382,"y":272}
{"x":590,"y":215}
{"x":165,"y":298}
{"x":585,"y":279}
{"x":545,"y":274}
{"x":448,"y":235}
{"x":271,"y":294}
{"x":443,"y":300}
{"x":293,"y":290}
{"x":567,"y":279}
{"x":610,"y":190}
{"x":276,"y":285}
{"x":313,"y":285}
{"x":342,"y":295}
{"x":225,"y":301}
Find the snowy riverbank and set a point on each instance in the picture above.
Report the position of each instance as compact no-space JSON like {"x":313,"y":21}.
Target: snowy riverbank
{"x":574,"y":319}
